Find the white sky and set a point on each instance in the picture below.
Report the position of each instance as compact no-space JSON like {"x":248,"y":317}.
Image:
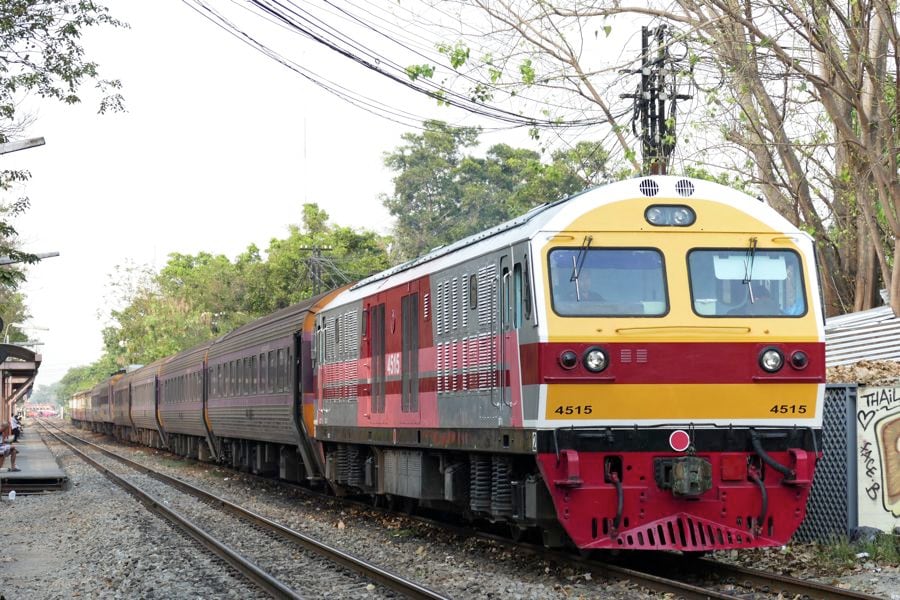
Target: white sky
{"x":219,"y":149}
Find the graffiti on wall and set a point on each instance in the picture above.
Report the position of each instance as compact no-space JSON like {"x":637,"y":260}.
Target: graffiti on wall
{"x":878,"y":457}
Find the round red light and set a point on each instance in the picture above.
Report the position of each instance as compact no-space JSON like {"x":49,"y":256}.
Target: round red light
{"x":679,"y":440}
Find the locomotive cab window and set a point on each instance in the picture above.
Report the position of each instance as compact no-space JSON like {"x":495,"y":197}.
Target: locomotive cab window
{"x":744,"y":282}
{"x":605,"y":282}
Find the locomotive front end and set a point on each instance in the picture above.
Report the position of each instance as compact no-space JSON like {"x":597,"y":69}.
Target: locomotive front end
{"x":681,"y":368}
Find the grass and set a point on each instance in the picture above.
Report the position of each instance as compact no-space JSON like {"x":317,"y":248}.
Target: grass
{"x":842,"y":553}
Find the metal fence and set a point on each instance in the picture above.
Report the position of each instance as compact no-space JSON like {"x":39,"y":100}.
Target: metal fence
{"x":832,"y":509}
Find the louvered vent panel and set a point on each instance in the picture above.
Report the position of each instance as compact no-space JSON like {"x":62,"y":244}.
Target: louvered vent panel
{"x":439,"y":366}
{"x":426,"y":305}
{"x":455,"y":365}
{"x":485,"y":297}
{"x":464,"y":306}
{"x":438,"y":313}
{"x":465,"y":364}
{"x":448,"y":306}
{"x":454,"y":302}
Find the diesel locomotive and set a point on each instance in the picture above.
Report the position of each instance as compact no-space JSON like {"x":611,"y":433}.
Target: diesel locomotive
{"x":640,"y":366}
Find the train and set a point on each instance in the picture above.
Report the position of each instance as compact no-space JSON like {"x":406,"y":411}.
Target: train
{"x":640,"y":366}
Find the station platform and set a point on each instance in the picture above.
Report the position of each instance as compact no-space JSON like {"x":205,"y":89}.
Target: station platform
{"x":39,"y":469}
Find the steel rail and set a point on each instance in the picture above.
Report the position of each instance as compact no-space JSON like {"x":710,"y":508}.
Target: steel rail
{"x":392,"y":581}
{"x":783,"y":583}
{"x":244,"y":566}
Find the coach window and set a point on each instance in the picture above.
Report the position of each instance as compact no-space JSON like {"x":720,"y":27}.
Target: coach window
{"x":271,"y":361}
{"x":290,"y":370}
{"x":254,"y":376}
{"x":279,"y":371}
{"x":263,"y":371}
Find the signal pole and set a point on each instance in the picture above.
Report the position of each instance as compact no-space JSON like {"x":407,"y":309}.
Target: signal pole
{"x":655,"y":100}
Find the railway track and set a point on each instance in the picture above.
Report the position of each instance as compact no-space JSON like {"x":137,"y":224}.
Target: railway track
{"x":277,"y":559}
{"x":666,"y":573}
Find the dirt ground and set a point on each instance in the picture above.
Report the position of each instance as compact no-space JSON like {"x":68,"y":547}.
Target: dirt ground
{"x":867,"y":372}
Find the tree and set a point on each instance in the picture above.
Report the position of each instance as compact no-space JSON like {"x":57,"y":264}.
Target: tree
{"x":194,"y":299}
{"x":441,"y":195}
{"x":317,"y":257}
{"x":41,"y":54}
{"x":78,"y":379}
{"x":805,"y":91}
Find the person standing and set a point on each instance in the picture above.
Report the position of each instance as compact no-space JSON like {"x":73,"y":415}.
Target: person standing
{"x":14,"y":426}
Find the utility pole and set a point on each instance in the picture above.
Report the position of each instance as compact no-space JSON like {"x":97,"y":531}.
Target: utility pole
{"x":653,"y":121}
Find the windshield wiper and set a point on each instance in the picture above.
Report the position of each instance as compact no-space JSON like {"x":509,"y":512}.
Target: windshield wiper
{"x":748,"y":267}
{"x":578,"y":263}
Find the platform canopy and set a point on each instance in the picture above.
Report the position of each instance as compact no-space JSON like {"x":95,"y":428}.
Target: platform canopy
{"x":18,"y":369}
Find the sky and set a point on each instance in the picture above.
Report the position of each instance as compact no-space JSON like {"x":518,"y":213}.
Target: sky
{"x":219,"y":148}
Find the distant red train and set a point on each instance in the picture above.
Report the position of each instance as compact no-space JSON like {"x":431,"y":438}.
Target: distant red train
{"x":640,"y":366}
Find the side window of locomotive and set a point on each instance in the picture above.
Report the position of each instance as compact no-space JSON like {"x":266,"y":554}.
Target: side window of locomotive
{"x":738,"y":282}
{"x":606,"y":282}
{"x":506,"y":298}
{"x":526,"y":300}
{"x":517,"y":296}
{"x":473,"y":292}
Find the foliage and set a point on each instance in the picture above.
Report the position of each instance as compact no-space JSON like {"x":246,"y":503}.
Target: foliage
{"x":41,"y":53}
{"x":47,"y":394}
{"x":13,"y":310}
{"x":83,"y":378}
{"x":194,"y":299}
{"x":791,"y":96}
{"x":441,"y":195}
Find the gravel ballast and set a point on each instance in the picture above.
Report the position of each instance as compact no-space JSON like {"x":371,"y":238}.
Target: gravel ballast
{"x":96,"y":541}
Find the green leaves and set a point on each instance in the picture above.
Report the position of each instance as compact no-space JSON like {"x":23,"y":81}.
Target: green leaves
{"x":442,"y":195}
{"x":195,"y":298}
{"x":416,"y":71}
{"x":526,"y":69}
{"x":458,"y":54}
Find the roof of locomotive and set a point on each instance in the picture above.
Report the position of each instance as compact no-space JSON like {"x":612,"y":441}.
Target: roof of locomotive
{"x":554,"y":216}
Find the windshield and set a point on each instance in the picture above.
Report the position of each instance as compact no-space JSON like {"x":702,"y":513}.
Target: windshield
{"x":604,"y":282}
{"x":746,"y":282}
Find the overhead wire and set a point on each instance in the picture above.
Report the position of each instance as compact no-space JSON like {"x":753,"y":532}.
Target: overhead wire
{"x":299,"y":20}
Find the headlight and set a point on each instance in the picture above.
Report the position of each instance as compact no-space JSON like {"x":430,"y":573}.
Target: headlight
{"x":568,"y":359}
{"x":771,"y":360}
{"x":670,"y":215}
{"x":595,"y":360}
{"x":680,"y":216}
{"x":655,"y":215}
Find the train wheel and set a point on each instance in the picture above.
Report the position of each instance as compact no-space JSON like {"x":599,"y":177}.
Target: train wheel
{"x":517,"y":532}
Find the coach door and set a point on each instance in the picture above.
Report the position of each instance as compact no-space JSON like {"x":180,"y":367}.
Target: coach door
{"x":409,"y":358}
